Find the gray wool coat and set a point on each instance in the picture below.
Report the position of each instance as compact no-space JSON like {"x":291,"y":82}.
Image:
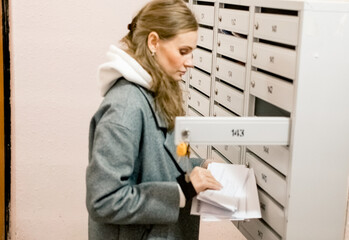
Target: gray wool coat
{"x":132,"y":191}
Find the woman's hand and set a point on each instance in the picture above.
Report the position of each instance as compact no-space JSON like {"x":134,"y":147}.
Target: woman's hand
{"x":202,"y":180}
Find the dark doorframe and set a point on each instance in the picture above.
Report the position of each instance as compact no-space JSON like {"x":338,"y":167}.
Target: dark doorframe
{"x":2,"y":144}
{"x":5,"y":132}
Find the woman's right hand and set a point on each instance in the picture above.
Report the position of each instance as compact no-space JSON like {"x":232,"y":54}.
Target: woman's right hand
{"x":202,"y":180}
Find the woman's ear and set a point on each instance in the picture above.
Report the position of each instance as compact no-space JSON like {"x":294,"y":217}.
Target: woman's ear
{"x":153,"y":41}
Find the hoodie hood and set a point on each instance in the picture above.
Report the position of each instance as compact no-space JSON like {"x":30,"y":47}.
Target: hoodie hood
{"x":121,"y":64}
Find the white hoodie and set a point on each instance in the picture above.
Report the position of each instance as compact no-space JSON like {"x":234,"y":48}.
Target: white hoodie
{"x":121,"y":64}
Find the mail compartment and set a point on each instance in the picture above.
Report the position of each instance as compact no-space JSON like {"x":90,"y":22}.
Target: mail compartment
{"x":193,"y":113}
{"x":218,"y":158}
{"x":263,"y":108}
{"x":259,"y":231}
{"x":268,"y":179}
{"x":272,"y":213}
{"x":229,"y":97}
{"x":231,"y":72}
{"x":200,"y":150}
{"x":204,"y":14}
{"x":205,"y":38}
{"x":271,"y":89}
{"x":276,"y":27}
{"x":232,"y":153}
{"x":231,"y":46}
{"x":245,"y":233}
{"x":201,"y":81}
{"x":275,"y":59}
{"x":193,"y":154}
{"x":233,"y":20}
{"x":203,"y":59}
{"x":199,"y":102}
{"x":276,"y":156}
{"x":219,"y":111}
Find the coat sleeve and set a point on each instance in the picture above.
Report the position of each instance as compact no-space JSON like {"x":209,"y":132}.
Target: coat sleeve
{"x":197,"y":162}
{"x":113,"y":195}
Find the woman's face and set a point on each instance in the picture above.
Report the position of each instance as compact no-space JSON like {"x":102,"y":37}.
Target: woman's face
{"x":175,"y":55}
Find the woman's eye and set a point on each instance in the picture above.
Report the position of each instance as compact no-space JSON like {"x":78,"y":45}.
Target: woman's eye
{"x":183,"y":52}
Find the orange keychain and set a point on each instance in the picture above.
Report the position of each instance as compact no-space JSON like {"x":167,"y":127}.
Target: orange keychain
{"x":182,"y":149}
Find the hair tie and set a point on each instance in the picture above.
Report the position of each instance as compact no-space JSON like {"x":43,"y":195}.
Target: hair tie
{"x":132,"y":26}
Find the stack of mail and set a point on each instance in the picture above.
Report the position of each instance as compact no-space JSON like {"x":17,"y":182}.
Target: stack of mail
{"x":238,"y":198}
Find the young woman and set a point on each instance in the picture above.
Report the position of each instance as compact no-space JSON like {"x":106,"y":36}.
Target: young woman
{"x":135,"y":187}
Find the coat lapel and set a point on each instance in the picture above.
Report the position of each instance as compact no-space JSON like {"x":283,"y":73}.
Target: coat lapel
{"x":170,"y":145}
{"x":161,"y":123}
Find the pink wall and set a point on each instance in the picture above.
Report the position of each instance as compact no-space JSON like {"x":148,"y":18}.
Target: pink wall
{"x":56,"y":47}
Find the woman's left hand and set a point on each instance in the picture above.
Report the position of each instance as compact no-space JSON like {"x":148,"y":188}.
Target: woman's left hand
{"x":202,"y":180}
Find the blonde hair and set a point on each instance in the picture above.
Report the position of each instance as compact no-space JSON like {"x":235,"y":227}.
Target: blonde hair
{"x":167,"y":18}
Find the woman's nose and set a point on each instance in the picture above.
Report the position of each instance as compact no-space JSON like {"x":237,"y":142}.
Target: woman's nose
{"x":189,"y":62}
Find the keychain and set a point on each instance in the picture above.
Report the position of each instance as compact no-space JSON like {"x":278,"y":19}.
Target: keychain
{"x":183,"y":152}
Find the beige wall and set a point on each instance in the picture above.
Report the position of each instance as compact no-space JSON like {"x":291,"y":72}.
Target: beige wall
{"x":56,"y":47}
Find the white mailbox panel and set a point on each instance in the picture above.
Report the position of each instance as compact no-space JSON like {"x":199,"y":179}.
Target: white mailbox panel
{"x":233,"y":47}
{"x":276,"y":156}
{"x":205,"y":38}
{"x":268,"y":179}
{"x":272,"y":213}
{"x":219,"y":111}
{"x":233,"y":20}
{"x":231,"y":72}
{"x":276,"y":91}
{"x":201,"y":81}
{"x":200,"y":150}
{"x":204,"y":14}
{"x":232,"y":153}
{"x":217,"y":157}
{"x":278,"y":60}
{"x":259,"y":230}
{"x":275,"y":27}
{"x":203,"y":59}
{"x":229,"y":97}
{"x":199,"y":102}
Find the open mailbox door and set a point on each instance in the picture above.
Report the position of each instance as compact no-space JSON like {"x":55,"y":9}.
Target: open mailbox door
{"x":233,"y":130}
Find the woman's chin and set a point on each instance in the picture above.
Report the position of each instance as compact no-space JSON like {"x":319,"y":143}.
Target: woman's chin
{"x":178,"y":77}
